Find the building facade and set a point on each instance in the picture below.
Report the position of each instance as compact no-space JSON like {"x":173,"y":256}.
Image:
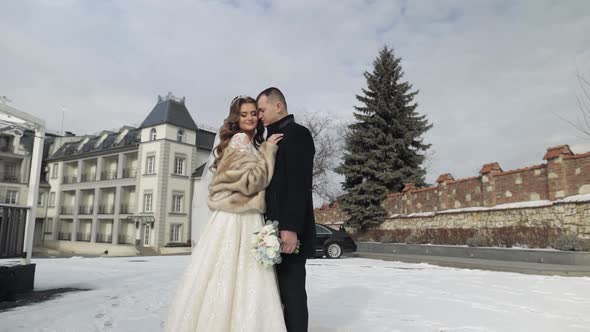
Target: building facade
{"x":15,"y":166}
{"x":125,"y":190}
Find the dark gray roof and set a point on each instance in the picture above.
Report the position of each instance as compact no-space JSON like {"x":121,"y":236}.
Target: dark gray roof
{"x":199,"y":171}
{"x":71,"y":149}
{"x":205,"y":139}
{"x":172,"y":112}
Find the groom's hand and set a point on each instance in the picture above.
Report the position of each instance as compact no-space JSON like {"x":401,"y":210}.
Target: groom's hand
{"x":289,"y":240}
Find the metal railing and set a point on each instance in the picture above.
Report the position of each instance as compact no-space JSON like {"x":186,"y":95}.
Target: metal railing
{"x":104,"y":238}
{"x":69,"y":179}
{"x":129,"y":173}
{"x":6,"y":148}
{"x":10,"y":178}
{"x":106,"y":209}
{"x":64,"y":236}
{"x":12,"y":231}
{"x":108,"y":175}
{"x":127,"y":209}
{"x":83,"y":237}
{"x":86,"y":209}
{"x":88,"y":177}
{"x":66,"y":210}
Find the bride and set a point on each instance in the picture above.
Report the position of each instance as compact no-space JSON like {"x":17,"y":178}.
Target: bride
{"x":223,"y":288}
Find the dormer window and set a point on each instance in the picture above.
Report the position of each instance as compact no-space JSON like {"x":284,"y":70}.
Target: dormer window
{"x":100,"y":140}
{"x":153,"y":134}
{"x":82,"y":143}
{"x":122,"y":135}
{"x":180,"y":135}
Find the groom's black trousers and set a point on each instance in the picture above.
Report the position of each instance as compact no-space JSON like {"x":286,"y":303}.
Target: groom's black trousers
{"x":291,"y":277}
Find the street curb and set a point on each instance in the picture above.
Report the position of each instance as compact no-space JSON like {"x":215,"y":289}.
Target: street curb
{"x":485,"y":264}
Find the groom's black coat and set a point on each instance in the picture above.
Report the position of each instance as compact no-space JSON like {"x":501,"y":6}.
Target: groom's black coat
{"x":289,"y":196}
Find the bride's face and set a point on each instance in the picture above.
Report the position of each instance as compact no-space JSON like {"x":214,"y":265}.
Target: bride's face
{"x":248,"y":118}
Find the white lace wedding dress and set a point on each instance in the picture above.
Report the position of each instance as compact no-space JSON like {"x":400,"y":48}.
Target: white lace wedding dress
{"x":223,"y":288}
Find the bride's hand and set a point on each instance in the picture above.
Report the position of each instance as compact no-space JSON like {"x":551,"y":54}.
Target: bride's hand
{"x":275,"y":138}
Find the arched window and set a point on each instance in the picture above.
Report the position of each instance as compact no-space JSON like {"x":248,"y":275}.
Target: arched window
{"x":153,"y":134}
{"x":180,"y":135}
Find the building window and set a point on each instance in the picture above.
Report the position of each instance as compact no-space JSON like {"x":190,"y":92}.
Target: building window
{"x":10,"y":171}
{"x":54,"y":170}
{"x":179,"y":165}
{"x":151,"y":165}
{"x":180,"y":135}
{"x":175,"y":232}
{"x":40,"y":199}
{"x":11,"y":196}
{"x":153,"y":134}
{"x":49,"y":226}
{"x":147,"y":203}
{"x":177,"y":203}
{"x":5,"y":143}
{"x":51,"y":199}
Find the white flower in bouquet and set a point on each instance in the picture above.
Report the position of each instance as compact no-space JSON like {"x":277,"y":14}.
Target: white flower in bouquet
{"x":271,"y":252}
{"x":272,"y":241}
{"x":267,"y":244}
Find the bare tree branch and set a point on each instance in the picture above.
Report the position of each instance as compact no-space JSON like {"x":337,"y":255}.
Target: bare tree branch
{"x":328,"y":142}
{"x":583,"y":100}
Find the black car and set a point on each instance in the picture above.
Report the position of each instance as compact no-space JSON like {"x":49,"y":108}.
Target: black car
{"x":331,"y":242}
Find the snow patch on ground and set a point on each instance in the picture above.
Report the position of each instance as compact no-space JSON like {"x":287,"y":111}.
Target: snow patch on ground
{"x":350,"y":294}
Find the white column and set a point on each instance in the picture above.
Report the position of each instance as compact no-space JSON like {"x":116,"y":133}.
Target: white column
{"x":120,"y":163}
{"x":116,"y":221}
{"x":76,"y":220}
{"x":34,"y":178}
{"x":79,"y":173}
{"x":99,"y":163}
{"x":95,"y":214}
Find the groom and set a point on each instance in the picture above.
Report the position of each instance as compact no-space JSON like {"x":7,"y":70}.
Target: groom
{"x":289,"y":201}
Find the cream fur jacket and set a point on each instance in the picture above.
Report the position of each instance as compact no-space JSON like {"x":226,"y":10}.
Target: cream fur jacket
{"x":242,"y":176}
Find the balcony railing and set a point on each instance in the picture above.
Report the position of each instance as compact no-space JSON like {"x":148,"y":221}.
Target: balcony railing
{"x":70,"y":179}
{"x":106,"y":209}
{"x":86,"y":209}
{"x":112,"y":175}
{"x":66,"y":209}
{"x":88,"y":177}
{"x":6,"y":148}
{"x":83,"y":237}
{"x":129,"y":173}
{"x":127,"y":209}
{"x":64,"y":236}
{"x":125,"y":239}
{"x":10,"y":178}
{"x":104,"y":238}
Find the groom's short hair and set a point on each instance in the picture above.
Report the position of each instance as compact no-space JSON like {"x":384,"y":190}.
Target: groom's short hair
{"x":273,"y":94}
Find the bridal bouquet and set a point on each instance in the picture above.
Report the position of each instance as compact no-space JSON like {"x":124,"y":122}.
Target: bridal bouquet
{"x":267,"y":244}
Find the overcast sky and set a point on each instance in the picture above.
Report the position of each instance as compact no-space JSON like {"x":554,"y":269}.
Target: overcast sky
{"x":494,"y":76}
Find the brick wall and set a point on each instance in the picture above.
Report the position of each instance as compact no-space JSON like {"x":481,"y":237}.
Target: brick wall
{"x":563,"y":174}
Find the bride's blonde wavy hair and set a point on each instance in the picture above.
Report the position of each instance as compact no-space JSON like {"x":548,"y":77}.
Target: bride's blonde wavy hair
{"x":231,"y":127}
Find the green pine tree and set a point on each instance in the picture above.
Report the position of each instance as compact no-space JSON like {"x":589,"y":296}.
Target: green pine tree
{"x":384,"y":148}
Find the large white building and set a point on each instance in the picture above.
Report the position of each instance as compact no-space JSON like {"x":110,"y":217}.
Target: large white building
{"x":123,"y":191}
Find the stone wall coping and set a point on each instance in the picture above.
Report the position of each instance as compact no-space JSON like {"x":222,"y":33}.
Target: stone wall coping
{"x":509,"y":206}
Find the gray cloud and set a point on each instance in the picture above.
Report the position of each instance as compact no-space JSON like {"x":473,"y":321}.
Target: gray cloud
{"x":492,"y":74}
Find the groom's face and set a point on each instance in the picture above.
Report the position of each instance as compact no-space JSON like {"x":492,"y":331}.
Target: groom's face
{"x":268,"y":112}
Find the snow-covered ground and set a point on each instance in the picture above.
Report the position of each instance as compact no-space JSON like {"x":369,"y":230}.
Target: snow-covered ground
{"x":351,"y":294}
